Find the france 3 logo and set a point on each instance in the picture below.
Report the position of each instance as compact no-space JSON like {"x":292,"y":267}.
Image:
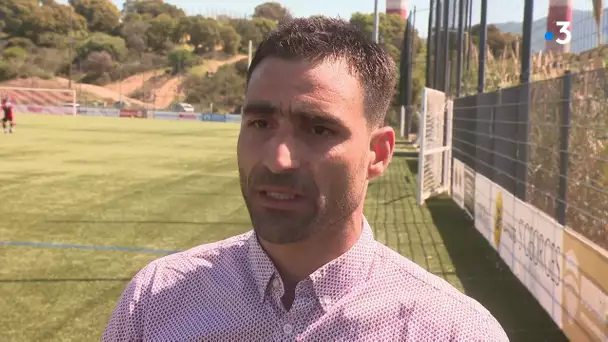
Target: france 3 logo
{"x":564,"y":29}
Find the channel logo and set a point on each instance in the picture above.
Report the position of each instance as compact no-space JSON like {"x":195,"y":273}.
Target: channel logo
{"x":564,"y":29}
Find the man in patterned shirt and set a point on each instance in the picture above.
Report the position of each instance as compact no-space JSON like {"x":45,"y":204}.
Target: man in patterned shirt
{"x":312,"y":137}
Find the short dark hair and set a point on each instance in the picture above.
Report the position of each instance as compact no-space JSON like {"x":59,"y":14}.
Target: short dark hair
{"x":317,"y":39}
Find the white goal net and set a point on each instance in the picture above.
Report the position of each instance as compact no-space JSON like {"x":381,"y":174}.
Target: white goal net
{"x":435,"y":145}
{"x":41,"y":100}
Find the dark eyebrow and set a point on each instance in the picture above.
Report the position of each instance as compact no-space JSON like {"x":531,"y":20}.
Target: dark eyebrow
{"x":260,"y":108}
{"x":307,"y":113}
{"x":318,"y":116}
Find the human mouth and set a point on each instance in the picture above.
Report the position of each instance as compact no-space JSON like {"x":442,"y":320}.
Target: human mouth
{"x":279,"y":196}
{"x":284,"y":199}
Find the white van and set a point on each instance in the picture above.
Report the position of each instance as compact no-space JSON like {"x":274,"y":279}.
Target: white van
{"x":182,"y":107}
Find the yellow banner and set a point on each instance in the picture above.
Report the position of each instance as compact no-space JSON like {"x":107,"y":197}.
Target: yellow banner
{"x":585,"y":288}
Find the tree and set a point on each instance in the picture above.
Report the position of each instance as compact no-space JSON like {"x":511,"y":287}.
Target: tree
{"x":18,"y":17}
{"x":391,"y":26}
{"x":98,"y":63}
{"x":29,"y":19}
{"x":264,"y":27}
{"x":15,"y":53}
{"x":12,"y":61}
{"x":496,"y":40}
{"x":181,"y":59}
{"x":224,"y":89}
{"x":59,"y":19}
{"x":230,"y":39}
{"x":24,"y":43}
{"x":160,"y":32}
{"x":153,"y":8}
{"x":248,"y":31}
{"x":273,"y":11}
{"x":114,"y":46}
{"x":204,"y":33}
{"x":242,"y":67}
{"x":134,"y":33}
{"x":101,"y":15}
{"x":53,"y":40}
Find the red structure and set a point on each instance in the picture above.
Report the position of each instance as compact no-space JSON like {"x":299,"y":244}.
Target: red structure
{"x":559,"y":10}
{"x":397,"y":7}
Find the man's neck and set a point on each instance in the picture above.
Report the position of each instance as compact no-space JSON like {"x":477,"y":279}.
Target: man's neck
{"x":297,"y":261}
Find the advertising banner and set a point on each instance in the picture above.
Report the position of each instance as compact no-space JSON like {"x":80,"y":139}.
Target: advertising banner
{"x":563,"y":270}
{"x":233,"y":118}
{"x":529,"y":241}
{"x":504,"y":233}
{"x":585,"y":290}
{"x":218,"y":117}
{"x":469,"y":190}
{"x":164,"y":116}
{"x":133,"y":113}
{"x":188,"y":116}
{"x":99,"y":111}
{"x":213,"y":117}
{"x":483,"y":204}
{"x":458,"y":182}
{"x":36,"y":109}
{"x":538,"y":261}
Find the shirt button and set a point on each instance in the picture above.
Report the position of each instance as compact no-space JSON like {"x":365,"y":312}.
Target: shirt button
{"x":288,"y":329}
{"x":276,"y":284}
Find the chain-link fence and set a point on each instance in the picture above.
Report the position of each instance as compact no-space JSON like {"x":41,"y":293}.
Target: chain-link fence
{"x":547,"y":143}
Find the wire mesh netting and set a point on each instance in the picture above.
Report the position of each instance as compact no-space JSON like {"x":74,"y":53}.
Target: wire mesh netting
{"x":517,"y":142}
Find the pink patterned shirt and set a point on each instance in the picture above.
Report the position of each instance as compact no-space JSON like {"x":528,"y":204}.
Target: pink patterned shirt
{"x":230,"y":291}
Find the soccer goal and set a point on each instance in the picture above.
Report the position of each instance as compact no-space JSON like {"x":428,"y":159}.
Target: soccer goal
{"x":435,"y":145}
{"x":41,"y":100}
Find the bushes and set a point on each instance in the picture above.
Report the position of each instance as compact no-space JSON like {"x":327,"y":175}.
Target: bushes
{"x":242,"y":67}
{"x":117,"y":71}
{"x":115,"y":46}
{"x":181,"y":59}
{"x":17,"y":62}
{"x":7,"y":71}
{"x":225,"y":89}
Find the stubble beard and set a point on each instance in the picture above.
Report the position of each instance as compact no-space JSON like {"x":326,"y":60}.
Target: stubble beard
{"x":323,"y":214}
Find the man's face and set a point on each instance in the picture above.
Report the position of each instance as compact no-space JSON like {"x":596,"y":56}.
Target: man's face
{"x":303,"y":149}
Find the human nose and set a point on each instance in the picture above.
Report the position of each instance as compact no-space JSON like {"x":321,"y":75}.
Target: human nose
{"x":281,"y":155}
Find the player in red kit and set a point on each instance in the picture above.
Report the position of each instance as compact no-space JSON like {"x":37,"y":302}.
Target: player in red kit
{"x":9,"y":116}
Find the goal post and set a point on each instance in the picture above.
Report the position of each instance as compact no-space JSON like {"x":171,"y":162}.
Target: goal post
{"x":435,"y":145}
{"x":42,"y":100}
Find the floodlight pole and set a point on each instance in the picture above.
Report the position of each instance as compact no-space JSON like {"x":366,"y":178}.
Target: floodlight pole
{"x":376,"y":34}
{"x":250,"y":54}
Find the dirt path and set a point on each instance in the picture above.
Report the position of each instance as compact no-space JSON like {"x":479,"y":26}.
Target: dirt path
{"x":100,"y":91}
{"x":167,"y":93}
{"x":132,"y":83}
{"x":213,"y":65}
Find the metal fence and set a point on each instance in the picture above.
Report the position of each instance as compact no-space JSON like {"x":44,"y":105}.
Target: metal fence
{"x":547,"y":143}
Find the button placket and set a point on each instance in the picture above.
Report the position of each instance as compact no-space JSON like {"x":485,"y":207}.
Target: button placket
{"x":276,"y":284}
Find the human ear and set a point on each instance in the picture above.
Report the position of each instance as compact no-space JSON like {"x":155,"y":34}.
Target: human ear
{"x":382,"y":144}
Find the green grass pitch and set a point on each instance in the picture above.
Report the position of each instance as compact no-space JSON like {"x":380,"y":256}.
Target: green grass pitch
{"x":167,"y":185}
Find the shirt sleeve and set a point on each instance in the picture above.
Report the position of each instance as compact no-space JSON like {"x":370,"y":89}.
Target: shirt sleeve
{"x":481,"y":327}
{"x":127,"y":321}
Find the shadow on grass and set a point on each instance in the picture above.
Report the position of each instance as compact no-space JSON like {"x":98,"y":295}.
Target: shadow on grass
{"x":485,"y":277}
{"x":405,"y":154}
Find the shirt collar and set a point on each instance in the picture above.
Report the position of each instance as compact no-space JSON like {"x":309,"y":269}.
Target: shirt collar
{"x":332,"y":280}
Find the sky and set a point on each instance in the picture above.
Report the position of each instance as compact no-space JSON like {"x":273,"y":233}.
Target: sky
{"x":498,"y":10}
